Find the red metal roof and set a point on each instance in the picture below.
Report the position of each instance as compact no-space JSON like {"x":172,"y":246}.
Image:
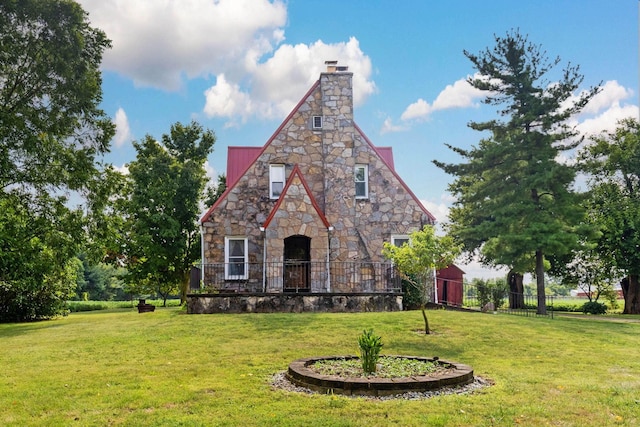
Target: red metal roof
{"x":238,"y":161}
{"x":387,"y":155}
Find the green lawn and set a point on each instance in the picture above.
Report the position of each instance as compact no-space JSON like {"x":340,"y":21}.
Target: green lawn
{"x":118,"y":367}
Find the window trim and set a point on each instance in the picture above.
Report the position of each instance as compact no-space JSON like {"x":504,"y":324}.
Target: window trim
{"x":366,"y":180}
{"x":273,"y":167}
{"x":228,"y":262}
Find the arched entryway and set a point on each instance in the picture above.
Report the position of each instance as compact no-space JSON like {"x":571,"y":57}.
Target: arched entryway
{"x":297,"y":257}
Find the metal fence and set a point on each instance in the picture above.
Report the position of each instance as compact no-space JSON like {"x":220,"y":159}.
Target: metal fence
{"x":297,"y":277}
{"x":511,"y":303}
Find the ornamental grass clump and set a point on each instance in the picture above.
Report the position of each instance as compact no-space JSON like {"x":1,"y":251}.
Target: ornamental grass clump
{"x":370,"y":346}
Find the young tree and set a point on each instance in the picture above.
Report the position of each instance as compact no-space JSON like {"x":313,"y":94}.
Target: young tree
{"x":167,"y":183}
{"x":418,"y":260}
{"x":613,"y":165}
{"x":51,"y":132}
{"x":514,"y":199}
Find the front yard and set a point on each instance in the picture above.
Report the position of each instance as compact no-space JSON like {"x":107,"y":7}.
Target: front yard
{"x":118,"y":367}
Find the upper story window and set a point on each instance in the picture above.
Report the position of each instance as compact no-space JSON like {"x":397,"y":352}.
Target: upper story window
{"x":276,"y":180}
{"x":399,"y":239}
{"x":235,"y":258}
{"x":361,"y":173}
{"x":316,"y":122}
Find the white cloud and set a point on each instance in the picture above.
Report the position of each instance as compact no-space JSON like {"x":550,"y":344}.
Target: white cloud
{"x":159,"y":43}
{"x":277,"y":83}
{"x":474,"y":269}
{"x":225,"y":99}
{"x":458,"y":95}
{"x":439,"y":209}
{"x":601,"y":114}
{"x":418,"y":110}
{"x":607,"y":120}
{"x":211,"y":173}
{"x":612,"y":94}
{"x":123,"y":132}
{"x":388,"y":126}
{"x":605,"y":109}
{"x":124,"y":169}
{"x":163,"y":44}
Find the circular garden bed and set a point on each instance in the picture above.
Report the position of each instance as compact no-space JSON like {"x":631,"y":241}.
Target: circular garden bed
{"x":315,"y":373}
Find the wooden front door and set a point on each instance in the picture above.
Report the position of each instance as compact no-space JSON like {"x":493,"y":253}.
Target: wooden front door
{"x":297,"y":257}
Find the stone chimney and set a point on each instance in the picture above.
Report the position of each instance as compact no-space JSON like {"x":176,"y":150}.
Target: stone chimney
{"x":337,"y":96}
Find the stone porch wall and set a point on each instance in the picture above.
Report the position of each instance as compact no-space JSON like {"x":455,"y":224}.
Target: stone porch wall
{"x":293,"y":303}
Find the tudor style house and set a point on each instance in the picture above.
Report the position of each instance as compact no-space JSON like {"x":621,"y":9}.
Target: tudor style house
{"x":309,"y":211}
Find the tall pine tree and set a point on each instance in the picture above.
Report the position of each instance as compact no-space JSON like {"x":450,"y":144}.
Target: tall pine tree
{"x":514,"y":198}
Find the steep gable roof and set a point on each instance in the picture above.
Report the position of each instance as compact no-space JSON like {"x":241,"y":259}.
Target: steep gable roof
{"x":296,"y":173}
{"x":242,"y":158}
{"x":205,"y":217}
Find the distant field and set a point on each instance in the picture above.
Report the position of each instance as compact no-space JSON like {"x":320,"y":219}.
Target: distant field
{"x":78,"y":306}
{"x":118,"y":367}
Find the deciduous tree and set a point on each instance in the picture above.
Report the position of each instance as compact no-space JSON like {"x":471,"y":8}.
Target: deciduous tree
{"x":167,"y":183}
{"x":613,"y":164}
{"x":418,"y":259}
{"x":51,"y":133}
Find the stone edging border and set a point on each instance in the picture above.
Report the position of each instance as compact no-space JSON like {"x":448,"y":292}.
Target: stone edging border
{"x":301,"y":375}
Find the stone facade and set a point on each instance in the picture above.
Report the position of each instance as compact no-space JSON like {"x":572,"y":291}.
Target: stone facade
{"x":319,"y":200}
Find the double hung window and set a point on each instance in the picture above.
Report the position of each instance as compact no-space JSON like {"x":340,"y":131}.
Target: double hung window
{"x":276,"y":180}
{"x":235,"y":258}
{"x":361,"y":174}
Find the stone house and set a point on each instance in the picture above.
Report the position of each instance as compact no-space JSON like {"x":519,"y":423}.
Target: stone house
{"x":304,"y":217}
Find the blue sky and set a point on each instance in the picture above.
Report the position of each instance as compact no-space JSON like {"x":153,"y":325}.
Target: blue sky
{"x":238,"y":67}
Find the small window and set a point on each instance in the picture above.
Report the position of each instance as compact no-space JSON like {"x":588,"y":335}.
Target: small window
{"x":317,"y":122}
{"x":276,"y":180}
{"x":235,"y":258}
{"x":399,"y":239}
{"x":361,"y":173}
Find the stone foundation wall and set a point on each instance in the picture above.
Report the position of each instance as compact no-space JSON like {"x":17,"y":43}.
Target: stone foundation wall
{"x":288,"y":303}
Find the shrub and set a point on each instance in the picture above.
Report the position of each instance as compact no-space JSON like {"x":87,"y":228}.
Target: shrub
{"x":484,"y":293}
{"x":498,"y":293}
{"x":594,"y":307}
{"x":370,"y":346}
{"x":412,"y":296}
{"x":78,"y":306}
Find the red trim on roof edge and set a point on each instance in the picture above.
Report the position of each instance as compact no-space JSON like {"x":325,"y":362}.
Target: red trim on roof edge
{"x":433,"y":218}
{"x":205,"y":217}
{"x":294,"y":172}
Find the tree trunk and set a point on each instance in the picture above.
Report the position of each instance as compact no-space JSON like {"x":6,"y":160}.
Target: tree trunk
{"x":184,"y":287}
{"x":426,"y":322}
{"x":516,"y":290}
{"x":542,"y":300}
{"x":632,"y":295}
